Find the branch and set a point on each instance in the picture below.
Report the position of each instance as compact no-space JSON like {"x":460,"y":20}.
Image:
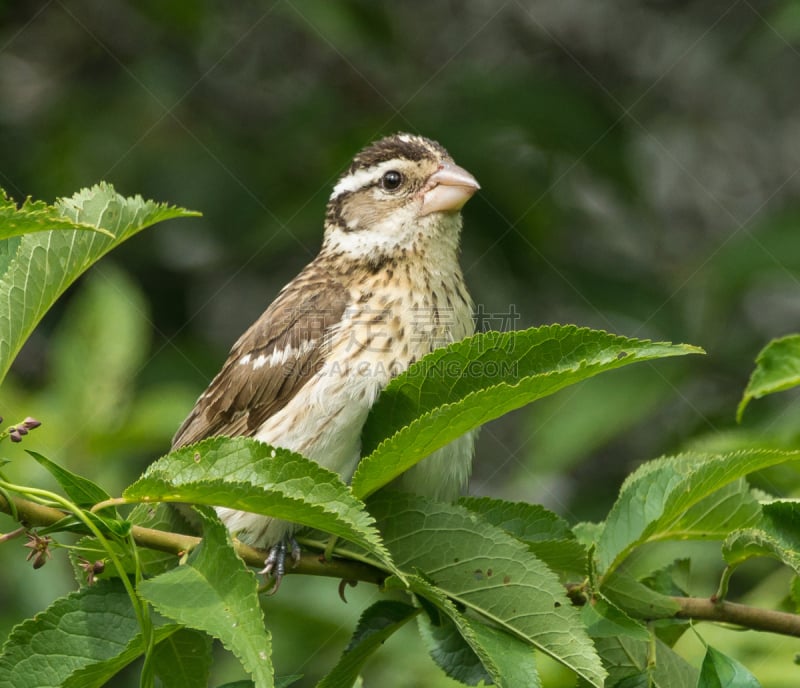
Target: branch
{"x":699,"y":609}
{"x":32,"y":515}
{"x":754,"y":618}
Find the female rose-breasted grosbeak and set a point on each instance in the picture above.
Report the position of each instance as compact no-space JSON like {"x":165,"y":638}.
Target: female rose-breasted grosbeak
{"x":385,"y":289}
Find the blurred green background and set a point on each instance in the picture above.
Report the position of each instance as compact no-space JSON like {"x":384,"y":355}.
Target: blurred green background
{"x":640,"y":170}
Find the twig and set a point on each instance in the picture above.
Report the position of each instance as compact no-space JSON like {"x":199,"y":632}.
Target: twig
{"x":31,"y":515}
{"x":754,"y":618}
{"x":5,"y":537}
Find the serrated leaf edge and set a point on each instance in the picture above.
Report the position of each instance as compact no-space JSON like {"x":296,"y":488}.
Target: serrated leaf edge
{"x":467,"y":399}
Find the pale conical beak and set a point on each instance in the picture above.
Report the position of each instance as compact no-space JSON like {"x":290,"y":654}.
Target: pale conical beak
{"x":448,"y":189}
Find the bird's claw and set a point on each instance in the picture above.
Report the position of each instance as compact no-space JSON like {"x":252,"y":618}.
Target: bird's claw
{"x":275,"y":563}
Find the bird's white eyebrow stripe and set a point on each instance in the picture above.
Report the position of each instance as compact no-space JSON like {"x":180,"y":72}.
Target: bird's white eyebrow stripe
{"x":361,"y":178}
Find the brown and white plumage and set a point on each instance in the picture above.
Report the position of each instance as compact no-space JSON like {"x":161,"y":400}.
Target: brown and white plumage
{"x":270,"y":362}
{"x":385,"y":289}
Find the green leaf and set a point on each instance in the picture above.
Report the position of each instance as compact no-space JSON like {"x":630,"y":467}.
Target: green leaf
{"x":72,"y":524}
{"x":489,"y":572}
{"x":604,"y":620}
{"x":451,"y":652}
{"x":160,"y":517}
{"x":512,"y":662}
{"x":782,"y":519}
{"x":80,"y":490}
{"x":245,"y":474}
{"x":638,"y":601}
{"x":280,"y":682}
{"x":656,"y":501}
{"x":721,"y":671}
{"x":35,"y":269}
{"x":215,"y":592}
{"x":777,"y":369}
{"x":635,"y":663}
{"x":470,"y":651}
{"x":288,"y":680}
{"x":672,"y":579}
{"x":461,"y":386}
{"x":81,"y":640}
{"x":732,"y":506}
{"x":36,"y":216}
{"x":98,"y":674}
{"x":547,"y":535}
{"x":777,"y":536}
{"x":749,"y":543}
{"x":183,"y":660}
{"x":528,"y":522}
{"x":587,"y":533}
{"x":375,"y":626}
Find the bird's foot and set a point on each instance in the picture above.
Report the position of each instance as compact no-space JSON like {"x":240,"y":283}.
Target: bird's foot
{"x":275,"y":563}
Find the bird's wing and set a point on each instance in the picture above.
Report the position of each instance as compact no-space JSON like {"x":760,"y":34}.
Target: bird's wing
{"x":270,"y":362}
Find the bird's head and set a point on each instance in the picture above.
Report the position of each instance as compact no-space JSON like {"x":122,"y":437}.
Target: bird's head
{"x":402,"y":193}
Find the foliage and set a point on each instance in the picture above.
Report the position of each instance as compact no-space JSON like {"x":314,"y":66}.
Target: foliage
{"x":494,"y":586}
{"x":462,"y":386}
{"x":36,"y":267}
{"x":777,"y":369}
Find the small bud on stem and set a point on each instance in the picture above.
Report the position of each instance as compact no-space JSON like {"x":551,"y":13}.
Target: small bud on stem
{"x":16,"y":432}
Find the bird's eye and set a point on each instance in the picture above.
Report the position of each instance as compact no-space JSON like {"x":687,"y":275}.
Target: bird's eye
{"x":391,"y":180}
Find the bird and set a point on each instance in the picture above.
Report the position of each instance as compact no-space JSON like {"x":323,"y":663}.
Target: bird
{"x":385,"y":289}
